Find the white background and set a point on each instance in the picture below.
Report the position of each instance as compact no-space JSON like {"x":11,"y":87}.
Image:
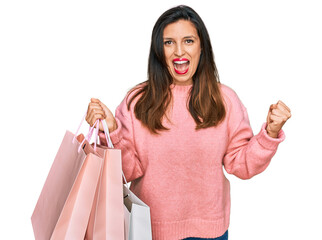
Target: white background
{"x":56,"y":55}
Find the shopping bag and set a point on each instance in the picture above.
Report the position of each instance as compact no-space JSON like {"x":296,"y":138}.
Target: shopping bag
{"x":64,"y":207}
{"x":137,"y":217}
{"x":74,"y":217}
{"x":61,"y":177}
{"x":107,"y":215}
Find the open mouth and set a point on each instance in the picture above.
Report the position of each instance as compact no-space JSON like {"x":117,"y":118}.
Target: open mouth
{"x":181,"y":65}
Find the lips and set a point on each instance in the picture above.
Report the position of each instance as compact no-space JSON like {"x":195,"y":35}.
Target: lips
{"x":181,"y":65}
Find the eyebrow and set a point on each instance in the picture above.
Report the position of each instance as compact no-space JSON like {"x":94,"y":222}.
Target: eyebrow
{"x":190,"y":36}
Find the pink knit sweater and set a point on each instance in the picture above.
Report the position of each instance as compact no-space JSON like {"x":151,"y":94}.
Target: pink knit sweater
{"x":179,"y":173}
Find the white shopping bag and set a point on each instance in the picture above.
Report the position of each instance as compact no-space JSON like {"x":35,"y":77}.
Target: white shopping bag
{"x":137,"y":217}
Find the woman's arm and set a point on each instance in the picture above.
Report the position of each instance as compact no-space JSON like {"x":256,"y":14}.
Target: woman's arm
{"x":121,"y":133}
{"x":248,"y":155}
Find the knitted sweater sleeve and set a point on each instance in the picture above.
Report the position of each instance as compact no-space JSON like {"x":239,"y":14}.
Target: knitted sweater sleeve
{"x":246,"y":155}
{"x":123,"y":138}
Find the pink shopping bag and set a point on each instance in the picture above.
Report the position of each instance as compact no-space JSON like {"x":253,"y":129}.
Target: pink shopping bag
{"x":107,"y":216}
{"x":73,"y":220}
{"x":74,"y":190}
{"x":59,"y":182}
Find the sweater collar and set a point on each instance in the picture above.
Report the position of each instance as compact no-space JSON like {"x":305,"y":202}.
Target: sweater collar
{"x":180,"y":89}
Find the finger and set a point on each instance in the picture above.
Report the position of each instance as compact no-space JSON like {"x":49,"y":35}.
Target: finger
{"x":95,"y":100}
{"x":280,"y":115}
{"x":273,"y":106}
{"x":281,"y":110}
{"x":95,"y":114}
{"x":93,"y":108}
{"x":96,"y":111}
{"x":108,"y":114}
{"x":95,"y":118}
{"x":275,"y":120}
{"x":105,"y":108}
{"x":268,"y":119}
{"x":284,"y":105}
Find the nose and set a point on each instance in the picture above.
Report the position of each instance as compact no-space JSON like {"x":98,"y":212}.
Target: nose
{"x":179,"y":50}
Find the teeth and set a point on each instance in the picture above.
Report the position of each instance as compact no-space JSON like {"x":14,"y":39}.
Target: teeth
{"x":180,"y":62}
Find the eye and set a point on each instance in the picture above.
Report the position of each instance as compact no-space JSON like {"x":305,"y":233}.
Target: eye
{"x":168,"y":42}
{"x":189,"y":41}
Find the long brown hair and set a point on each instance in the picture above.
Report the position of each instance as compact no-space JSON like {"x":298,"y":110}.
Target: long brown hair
{"x":205,"y":103}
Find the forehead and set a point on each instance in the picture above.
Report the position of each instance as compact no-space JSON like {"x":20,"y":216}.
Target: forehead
{"x":180,"y":29}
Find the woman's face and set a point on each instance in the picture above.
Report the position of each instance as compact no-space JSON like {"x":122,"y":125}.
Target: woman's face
{"x":182,"y":51}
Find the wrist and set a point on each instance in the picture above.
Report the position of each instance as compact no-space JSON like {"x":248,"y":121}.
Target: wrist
{"x":114,"y":126}
{"x":272,"y":134}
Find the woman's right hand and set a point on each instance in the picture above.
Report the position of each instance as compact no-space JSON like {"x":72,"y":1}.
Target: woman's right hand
{"x":97,"y":110}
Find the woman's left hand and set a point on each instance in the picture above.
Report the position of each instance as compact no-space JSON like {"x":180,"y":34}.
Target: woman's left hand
{"x":277,"y":116}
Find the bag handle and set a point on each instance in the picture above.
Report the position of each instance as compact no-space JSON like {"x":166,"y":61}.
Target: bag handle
{"x":89,"y":135}
{"x":79,"y":126}
{"x":107,"y":134}
{"x":110,"y":144}
{"x":90,"y":132}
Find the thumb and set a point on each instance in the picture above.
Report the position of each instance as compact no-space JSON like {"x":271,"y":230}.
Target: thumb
{"x":268,"y":119}
{"x":269,"y":114}
{"x":95,"y":100}
{"x":273,"y":106}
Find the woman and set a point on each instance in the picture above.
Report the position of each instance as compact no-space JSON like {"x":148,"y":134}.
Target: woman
{"x":180,"y":127}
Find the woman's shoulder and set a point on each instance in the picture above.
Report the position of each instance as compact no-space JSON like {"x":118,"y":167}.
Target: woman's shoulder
{"x":132,"y":96}
{"x":227,"y":92}
{"x":135,"y":92}
{"x":229,"y":96}
{"x":137,"y":88}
